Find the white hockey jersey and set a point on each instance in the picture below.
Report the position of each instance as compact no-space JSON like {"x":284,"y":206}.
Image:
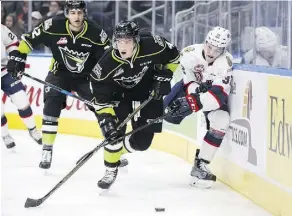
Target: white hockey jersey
{"x":9,"y":42}
{"x":196,"y":70}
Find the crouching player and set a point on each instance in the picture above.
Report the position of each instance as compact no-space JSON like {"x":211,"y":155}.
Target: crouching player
{"x":207,"y":74}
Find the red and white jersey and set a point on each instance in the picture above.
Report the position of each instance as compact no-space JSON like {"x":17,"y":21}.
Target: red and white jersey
{"x":9,"y":42}
{"x":196,"y":70}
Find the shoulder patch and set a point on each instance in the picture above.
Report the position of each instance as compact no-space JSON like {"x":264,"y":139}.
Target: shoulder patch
{"x":189,"y":49}
{"x":103,"y":36}
{"x":97,"y":70}
{"x":158,"y":40}
{"x":229,"y":61}
{"x":170,"y":45}
{"x":48,"y":24}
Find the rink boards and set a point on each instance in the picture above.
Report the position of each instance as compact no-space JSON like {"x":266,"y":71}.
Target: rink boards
{"x":256,"y":155}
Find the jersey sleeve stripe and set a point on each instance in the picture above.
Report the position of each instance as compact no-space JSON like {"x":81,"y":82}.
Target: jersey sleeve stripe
{"x":186,"y":86}
{"x":210,"y":142}
{"x":222,"y":89}
{"x":218,"y":93}
{"x":13,"y":44}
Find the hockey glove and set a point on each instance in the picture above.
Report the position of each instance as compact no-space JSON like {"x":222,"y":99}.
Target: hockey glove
{"x":161,"y":84}
{"x":203,"y":87}
{"x":16,"y":64}
{"x":186,"y":105}
{"x":108,"y":125}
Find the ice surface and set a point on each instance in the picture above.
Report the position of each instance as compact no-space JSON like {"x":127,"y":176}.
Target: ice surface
{"x":154,"y":179}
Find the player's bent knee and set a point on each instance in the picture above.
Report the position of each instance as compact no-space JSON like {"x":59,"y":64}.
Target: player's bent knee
{"x":20,"y":100}
{"x":219,"y":120}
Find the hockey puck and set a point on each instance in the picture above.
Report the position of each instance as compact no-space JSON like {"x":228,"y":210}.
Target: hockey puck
{"x":160,"y":209}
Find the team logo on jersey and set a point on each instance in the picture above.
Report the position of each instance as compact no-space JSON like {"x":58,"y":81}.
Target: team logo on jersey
{"x":103,"y":36}
{"x":63,"y":40}
{"x":198,"y":72}
{"x":130,"y":82}
{"x":97,"y":70}
{"x":73,"y":60}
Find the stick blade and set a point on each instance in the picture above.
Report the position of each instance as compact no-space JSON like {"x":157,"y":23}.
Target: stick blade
{"x":32,"y":202}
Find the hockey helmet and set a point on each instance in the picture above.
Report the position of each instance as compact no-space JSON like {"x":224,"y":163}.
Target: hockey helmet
{"x":219,"y":37}
{"x":71,"y":4}
{"x":126,"y":29}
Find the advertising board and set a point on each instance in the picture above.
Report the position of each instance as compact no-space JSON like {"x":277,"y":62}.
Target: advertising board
{"x":279,"y":127}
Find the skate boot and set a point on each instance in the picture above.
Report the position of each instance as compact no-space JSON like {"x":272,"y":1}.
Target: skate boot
{"x":47,"y":155}
{"x":109,"y":178}
{"x":201,"y":175}
{"x":35,"y":134}
{"x":9,"y":142}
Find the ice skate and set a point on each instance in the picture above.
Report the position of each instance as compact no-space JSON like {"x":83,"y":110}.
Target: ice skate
{"x":109,"y":178}
{"x":9,"y":142}
{"x":46,"y":160}
{"x":201,"y":175}
{"x":36,"y":135}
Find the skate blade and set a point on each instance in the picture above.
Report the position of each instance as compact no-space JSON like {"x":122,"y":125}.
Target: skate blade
{"x":45,"y":172}
{"x":200,"y":183}
{"x":103,"y":192}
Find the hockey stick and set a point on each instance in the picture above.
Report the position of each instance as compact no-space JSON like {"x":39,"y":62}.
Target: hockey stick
{"x":62,"y":90}
{"x":124,"y":122}
{"x":36,"y":202}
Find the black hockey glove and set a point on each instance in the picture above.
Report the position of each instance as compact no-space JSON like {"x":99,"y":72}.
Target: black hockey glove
{"x":185,"y":105}
{"x":161,"y":84}
{"x":16,"y":64}
{"x":108,"y":125}
{"x":203,"y":87}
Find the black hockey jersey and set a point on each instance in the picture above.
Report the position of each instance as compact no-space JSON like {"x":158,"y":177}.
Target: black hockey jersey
{"x":114,"y":76}
{"x":72,"y":52}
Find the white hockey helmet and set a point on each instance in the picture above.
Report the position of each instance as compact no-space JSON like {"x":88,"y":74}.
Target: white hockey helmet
{"x":219,"y":37}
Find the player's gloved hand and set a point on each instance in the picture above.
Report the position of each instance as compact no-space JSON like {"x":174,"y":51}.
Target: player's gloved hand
{"x":203,"y":87}
{"x":161,"y":84}
{"x":185,"y":105}
{"x":108,"y":125}
{"x":16,"y":64}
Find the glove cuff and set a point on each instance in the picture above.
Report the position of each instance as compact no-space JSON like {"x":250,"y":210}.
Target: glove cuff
{"x":194,"y":102}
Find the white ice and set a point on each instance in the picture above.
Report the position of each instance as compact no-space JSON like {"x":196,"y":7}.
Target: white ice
{"x":154,"y":179}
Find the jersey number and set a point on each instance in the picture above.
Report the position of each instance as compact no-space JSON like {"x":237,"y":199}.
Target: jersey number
{"x":11,"y":36}
{"x":227,"y":80}
{"x":36,"y":32}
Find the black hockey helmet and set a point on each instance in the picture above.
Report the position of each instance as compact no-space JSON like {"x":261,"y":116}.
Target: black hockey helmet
{"x":126,"y":29}
{"x":71,"y":4}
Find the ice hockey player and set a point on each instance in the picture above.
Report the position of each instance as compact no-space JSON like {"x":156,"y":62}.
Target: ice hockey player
{"x":207,"y":73}
{"x":15,"y":90}
{"x":136,"y":65}
{"x":76,"y":45}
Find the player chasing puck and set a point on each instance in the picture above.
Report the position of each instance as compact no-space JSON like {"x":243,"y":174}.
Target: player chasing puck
{"x":137,"y":65}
